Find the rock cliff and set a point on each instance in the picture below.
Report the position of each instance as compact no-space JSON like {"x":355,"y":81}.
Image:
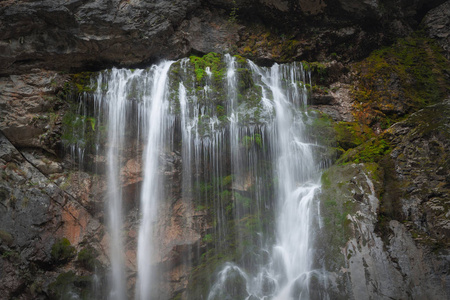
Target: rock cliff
{"x":384,"y":200}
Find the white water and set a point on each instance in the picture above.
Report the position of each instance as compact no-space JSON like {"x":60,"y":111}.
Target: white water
{"x":114,"y":105}
{"x":224,"y":167}
{"x":155,"y":110}
{"x":287,"y":272}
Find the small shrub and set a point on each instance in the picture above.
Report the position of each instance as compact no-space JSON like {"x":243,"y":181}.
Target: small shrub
{"x":62,"y":251}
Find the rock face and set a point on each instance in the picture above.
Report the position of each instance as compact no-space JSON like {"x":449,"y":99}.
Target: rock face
{"x":68,"y":35}
{"x":77,"y":34}
{"x":30,"y":105}
{"x":385,"y":222}
{"x":437,"y":24}
{"x":36,"y":214}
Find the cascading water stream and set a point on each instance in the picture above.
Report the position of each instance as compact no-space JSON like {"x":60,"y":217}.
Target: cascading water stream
{"x":289,"y":267}
{"x":115,"y":106}
{"x":245,"y":159}
{"x":116,"y":120}
{"x":156,"y":124}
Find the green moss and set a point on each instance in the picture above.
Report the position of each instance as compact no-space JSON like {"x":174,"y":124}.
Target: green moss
{"x":211,"y":60}
{"x":371,"y":151}
{"x":87,"y":258}
{"x":351,"y":134}
{"x":400,"y":79}
{"x":62,"y":251}
{"x":251,"y":141}
{"x":82,"y":82}
{"x":227,"y":180}
{"x":240,"y":60}
{"x":208,"y":238}
{"x":220,"y":110}
{"x":68,"y":284}
{"x":80,"y":129}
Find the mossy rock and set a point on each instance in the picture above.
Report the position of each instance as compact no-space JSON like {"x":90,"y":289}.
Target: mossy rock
{"x":82,"y":82}
{"x":351,"y":134}
{"x":213,"y":61}
{"x":400,"y":79}
{"x":371,"y":151}
{"x":87,"y":258}
{"x":62,"y":251}
{"x":68,"y":286}
{"x":343,"y":190}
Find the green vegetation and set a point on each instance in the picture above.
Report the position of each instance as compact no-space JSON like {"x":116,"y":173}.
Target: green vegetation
{"x":232,"y":18}
{"x":80,"y":129}
{"x":87,"y":258}
{"x":250,"y":141}
{"x":82,"y":82}
{"x":400,"y":79}
{"x":371,"y":151}
{"x":211,"y":60}
{"x":67,"y":284}
{"x":351,"y":134}
{"x":62,"y":251}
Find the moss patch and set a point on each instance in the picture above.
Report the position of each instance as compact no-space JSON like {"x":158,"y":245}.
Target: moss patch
{"x":87,"y":258}
{"x":68,"y":284}
{"x":371,"y":151}
{"x":400,"y":79}
{"x":62,"y":251}
{"x":282,"y":47}
{"x":82,"y":82}
{"x":213,"y":61}
{"x":351,"y":134}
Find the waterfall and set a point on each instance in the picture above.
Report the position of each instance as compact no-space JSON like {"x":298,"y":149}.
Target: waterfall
{"x":246,"y":160}
{"x":157,"y":124}
{"x":287,"y":271}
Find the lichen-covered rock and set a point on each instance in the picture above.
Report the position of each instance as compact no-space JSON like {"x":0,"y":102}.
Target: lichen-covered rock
{"x":385,"y":223}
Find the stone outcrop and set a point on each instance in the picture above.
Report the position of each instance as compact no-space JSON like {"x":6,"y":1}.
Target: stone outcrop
{"x":36,"y":214}
{"x":79,"y":35}
{"x":30,"y":107}
{"x":437,"y":25}
{"x":386,"y":223}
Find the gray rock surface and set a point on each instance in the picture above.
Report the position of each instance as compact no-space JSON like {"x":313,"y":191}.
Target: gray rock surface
{"x":437,"y":24}
{"x":35,"y":214}
{"x":78,"y":35}
{"x":386,"y":223}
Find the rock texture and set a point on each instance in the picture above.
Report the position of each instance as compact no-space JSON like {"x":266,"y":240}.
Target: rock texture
{"x":30,"y":109}
{"x":36,"y":213}
{"x":437,"y":25}
{"x":387,"y":223}
{"x":76,"y":34}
